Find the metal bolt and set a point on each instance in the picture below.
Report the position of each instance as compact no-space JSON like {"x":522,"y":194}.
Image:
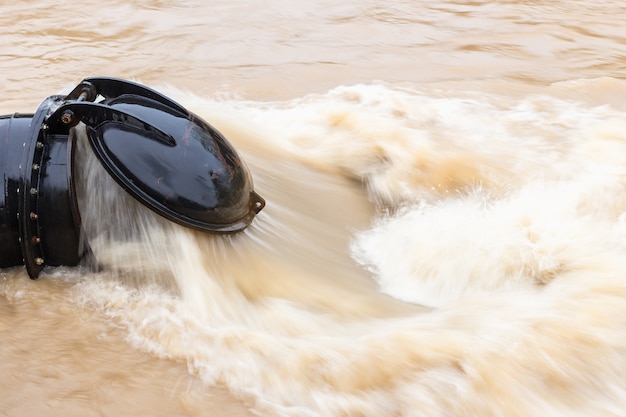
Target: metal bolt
{"x":35,"y":167}
{"x":33,"y":216}
{"x":33,"y":191}
{"x":39,"y":145}
{"x":67,"y":117}
{"x":39,"y":261}
{"x":35,"y":240}
{"x":44,"y":126}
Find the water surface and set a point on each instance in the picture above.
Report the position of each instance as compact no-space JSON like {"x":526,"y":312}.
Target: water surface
{"x":443,"y":235}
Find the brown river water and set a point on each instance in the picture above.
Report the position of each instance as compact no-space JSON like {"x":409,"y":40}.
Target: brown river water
{"x":445,"y":229}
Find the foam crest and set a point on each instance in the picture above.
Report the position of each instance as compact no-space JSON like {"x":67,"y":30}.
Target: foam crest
{"x":433,"y":254}
{"x":410,"y":144}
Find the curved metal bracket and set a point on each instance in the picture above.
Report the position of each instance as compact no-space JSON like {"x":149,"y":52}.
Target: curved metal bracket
{"x":96,"y":114}
{"x":109,"y":87}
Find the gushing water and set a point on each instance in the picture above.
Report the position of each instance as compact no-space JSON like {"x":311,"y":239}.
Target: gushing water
{"x":445,"y":242}
{"x":500,"y":249}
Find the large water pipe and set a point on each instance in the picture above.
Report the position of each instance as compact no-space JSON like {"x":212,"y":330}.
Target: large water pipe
{"x":166,"y":157}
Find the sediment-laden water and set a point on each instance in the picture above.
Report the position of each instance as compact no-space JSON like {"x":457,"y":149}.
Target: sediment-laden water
{"x":445,"y":221}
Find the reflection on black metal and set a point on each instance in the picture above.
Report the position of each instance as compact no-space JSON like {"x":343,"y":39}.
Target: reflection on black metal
{"x":167,"y":158}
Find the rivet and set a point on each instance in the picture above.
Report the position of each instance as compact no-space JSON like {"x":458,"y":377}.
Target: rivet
{"x":33,"y":216}
{"x":44,"y":126}
{"x":35,"y":240}
{"x":39,"y":145}
{"x":33,"y":191}
{"x":39,"y":261}
{"x":35,"y":167}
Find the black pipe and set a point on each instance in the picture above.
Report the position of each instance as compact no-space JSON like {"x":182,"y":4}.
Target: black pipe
{"x":169,"y":159}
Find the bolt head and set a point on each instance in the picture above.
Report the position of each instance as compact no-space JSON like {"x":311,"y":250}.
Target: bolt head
{"x":68,"y":117}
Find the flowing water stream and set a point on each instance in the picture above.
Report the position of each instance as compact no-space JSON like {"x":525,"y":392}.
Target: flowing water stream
{"x":445,"y":225}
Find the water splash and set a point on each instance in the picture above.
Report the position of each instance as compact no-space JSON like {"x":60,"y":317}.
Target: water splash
{"x":523,"y":263}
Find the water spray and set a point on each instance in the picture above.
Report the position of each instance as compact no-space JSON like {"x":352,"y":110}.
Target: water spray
{"x":166,"y":157}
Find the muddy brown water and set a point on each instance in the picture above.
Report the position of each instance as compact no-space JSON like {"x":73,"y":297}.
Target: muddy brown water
{"x":444,"y":228}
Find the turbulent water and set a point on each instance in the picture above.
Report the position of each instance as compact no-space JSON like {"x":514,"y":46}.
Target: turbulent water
{"x":445,"y":229}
